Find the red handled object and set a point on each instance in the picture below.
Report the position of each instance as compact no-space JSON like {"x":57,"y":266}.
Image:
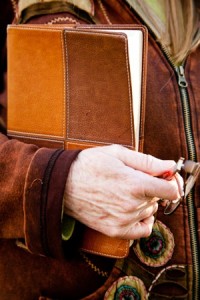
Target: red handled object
{"x":190,"y":167}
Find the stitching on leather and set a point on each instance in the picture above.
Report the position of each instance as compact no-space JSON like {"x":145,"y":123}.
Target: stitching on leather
{"x":30,"y":134}
{"x":67,"y":81}
{"x":136,"y":27}
{"x":73,"y":142}
{"x":143,"y":82}
{"x":93,"y":266}
{"x":129,"y":86}
{"x":160,"y":273}
{"x":98,"y":142}
{"x":62,"y":19}
{"x":124,"y":254}
{"x":64,"y":80}
{"x":59,"y":139}
{"x":25,"y":133}
{"x":104,"y":12}
{"x":67,"y":77}
{"x":25,"y":27}
{"x":129,"y":90}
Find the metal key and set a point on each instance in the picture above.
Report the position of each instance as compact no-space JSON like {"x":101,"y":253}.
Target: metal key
{"x":172,"y":205}
{"x":192,"y":168}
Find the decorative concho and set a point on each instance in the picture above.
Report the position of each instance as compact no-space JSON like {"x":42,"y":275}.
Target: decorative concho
{"x":127,"y":288}
{"x":157,"y":249}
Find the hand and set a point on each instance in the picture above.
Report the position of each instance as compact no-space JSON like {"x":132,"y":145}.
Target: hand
{"x":115,"y":190}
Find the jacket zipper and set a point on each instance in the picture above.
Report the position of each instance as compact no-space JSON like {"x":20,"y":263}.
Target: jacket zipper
{"x":182,"y":84}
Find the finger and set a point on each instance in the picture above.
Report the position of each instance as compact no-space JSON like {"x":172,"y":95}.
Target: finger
{"x":147,"y":164}
{"x":139,"y":161}
{"x":140,"y":229}
{"x":148,"y":187}
{"x":180,"y":184}
{"x":147,"y":212}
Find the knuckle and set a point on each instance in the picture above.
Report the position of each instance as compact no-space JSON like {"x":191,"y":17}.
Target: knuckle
{"x":129,"y":206}
{"x":139,"y":190}
{"x":149,"y":161}
{"x":117,"y":230}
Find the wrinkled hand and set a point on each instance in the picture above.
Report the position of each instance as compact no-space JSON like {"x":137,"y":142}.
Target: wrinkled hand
{"x":115,"y":190}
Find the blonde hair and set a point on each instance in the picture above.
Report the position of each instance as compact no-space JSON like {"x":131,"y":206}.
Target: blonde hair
{"x":183,"y":27}
{"x":182,"y":31}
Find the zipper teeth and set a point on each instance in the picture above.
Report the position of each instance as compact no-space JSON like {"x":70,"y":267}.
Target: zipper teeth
{"x":190,"y":197}
{"x":195,"y":255}
{"x":186,"y":112}
{"x":188,"y":129}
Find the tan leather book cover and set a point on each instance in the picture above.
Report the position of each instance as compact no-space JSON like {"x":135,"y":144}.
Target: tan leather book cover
{"x":78,"y":87}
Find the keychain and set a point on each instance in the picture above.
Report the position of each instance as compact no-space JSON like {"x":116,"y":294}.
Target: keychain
{"x":190,"y":167}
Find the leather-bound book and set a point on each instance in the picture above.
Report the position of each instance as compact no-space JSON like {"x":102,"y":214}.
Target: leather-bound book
{"x":75,"y":87}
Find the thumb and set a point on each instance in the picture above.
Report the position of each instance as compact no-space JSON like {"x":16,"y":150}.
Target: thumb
{"x":139,"y":161}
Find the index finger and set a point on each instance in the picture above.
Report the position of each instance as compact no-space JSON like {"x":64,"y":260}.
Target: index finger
{"x":151,"y":186}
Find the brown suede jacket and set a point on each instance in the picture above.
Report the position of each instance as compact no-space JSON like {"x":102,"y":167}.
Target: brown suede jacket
{"x":34,"y":261}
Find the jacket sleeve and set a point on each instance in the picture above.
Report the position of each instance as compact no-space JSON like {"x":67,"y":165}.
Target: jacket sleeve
{"x":32,"y":179}
{"x":32,"y":182}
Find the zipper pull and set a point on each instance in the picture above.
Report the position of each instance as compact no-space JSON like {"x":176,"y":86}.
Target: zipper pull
{"x":181,"y":77}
